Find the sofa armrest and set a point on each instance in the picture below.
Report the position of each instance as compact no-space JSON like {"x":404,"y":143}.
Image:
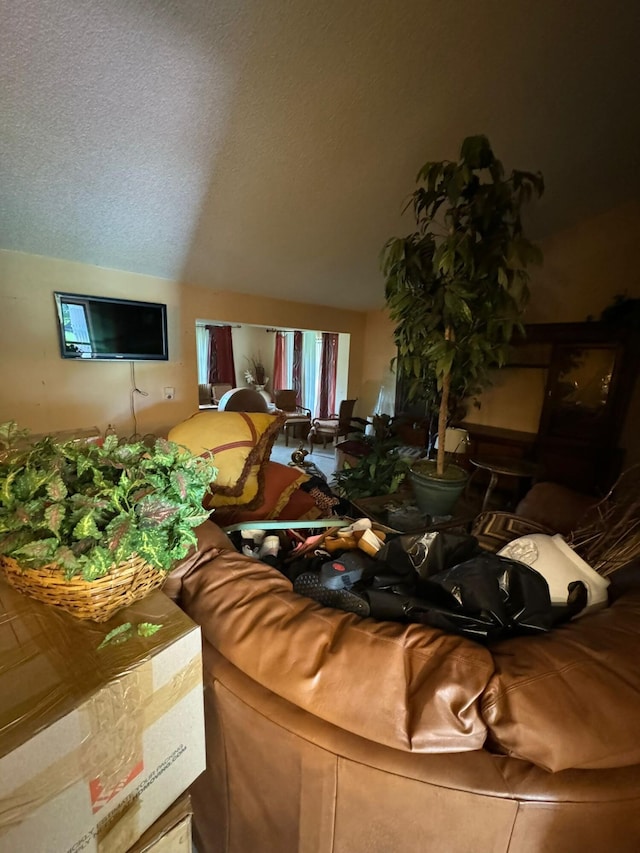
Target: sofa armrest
{"x":570,"y":698}
{"x":557,"y":507}
{"x":410,"y":687}
{"x":211,"y":541}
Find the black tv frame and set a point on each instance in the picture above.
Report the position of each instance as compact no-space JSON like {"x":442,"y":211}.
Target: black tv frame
{"x":60,"y":297}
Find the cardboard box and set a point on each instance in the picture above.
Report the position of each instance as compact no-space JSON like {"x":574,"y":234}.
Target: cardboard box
{"x":97,"y":737}
{"x":171,"y":833}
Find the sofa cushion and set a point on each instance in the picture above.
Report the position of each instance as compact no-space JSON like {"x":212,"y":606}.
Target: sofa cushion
{"x":301,"y":506}
{"x":570,"y":698}
{"x":240,"y":443}
{"x":411,"y":687}
{"x":280,"y":482}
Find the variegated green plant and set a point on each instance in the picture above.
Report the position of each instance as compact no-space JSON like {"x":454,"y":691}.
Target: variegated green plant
{"x":380,"y":470}
{"x":86,"y":507}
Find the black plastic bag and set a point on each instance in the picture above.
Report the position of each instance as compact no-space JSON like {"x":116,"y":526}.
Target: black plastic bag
{"x":448,"y":582}
{"x":488,"y":597}
{"x":427,"y":553}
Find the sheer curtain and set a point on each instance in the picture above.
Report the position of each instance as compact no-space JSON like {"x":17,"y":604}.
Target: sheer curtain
{"x":202,"y":352}
{"x":309,"y":372}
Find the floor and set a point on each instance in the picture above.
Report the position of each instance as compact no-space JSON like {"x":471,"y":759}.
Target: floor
{"x":323,"y":458}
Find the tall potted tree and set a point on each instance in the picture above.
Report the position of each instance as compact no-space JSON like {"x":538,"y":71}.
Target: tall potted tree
{"x":457,"y":286}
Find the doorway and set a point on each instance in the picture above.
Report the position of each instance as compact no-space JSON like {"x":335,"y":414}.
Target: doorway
{"x":300,"y":360}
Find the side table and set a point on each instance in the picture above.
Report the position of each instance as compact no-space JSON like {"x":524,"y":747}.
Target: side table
{"x":502,"y":466}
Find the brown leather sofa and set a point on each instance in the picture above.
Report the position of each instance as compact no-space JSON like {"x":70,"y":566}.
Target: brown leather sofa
{"x":328,"y":733}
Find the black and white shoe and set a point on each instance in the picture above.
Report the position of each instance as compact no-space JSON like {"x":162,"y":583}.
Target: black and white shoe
{"x":311,"y":585}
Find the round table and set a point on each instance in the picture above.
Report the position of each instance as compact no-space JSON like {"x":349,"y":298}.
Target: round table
{"x":503,"y":466}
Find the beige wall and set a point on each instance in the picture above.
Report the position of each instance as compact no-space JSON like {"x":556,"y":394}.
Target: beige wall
{"x":253,"y":342}
{"x":584,"y":268}
{"x":379,"y":349}
{"x":43,"y":392}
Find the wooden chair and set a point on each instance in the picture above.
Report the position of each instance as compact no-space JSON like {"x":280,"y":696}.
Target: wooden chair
{"x":205,"y":394}
{"x":336,"y":425}
{"x":219,"y":390}
{"x":209,"y":395}
{"x":286,"y":400}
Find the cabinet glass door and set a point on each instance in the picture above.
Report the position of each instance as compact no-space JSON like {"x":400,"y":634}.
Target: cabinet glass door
{"x":579,"y":392}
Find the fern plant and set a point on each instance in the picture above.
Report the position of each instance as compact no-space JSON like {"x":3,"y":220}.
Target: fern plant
{"x":87,"y":507}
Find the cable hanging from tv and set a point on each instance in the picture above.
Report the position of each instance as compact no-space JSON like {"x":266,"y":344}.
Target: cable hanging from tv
{"x":135,"y":390}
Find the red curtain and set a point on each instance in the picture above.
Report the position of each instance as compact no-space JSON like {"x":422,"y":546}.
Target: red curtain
{"x":213,"y":358}
{"x":221,"y":366}
{"x":328,"y":374}
{"x":297,"y":366}
{"x":279,"y":376}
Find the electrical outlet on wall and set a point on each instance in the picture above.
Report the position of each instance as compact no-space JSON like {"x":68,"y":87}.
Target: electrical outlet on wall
{"x":169,"y":392}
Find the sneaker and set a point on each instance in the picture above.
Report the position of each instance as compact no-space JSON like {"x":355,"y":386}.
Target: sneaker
{"x":309,"y":584}
{"x":343,"y":572}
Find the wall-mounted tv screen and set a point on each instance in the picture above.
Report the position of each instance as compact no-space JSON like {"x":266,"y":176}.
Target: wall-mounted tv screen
{"x":95,"y":327}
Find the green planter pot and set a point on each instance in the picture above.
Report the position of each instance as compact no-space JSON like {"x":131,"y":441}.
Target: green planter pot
{"x":437,"y":495}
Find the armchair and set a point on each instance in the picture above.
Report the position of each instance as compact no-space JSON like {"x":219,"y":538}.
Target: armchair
{"x":219,"y":390}
{"x":209,"y":394}
{"x":286,"y":400}
{"x":205,"y":394}
{"x":336,"y":425}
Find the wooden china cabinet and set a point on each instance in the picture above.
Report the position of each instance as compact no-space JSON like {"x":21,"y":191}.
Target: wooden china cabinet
{"x":591,"y":369}
{"x":591,"y":373}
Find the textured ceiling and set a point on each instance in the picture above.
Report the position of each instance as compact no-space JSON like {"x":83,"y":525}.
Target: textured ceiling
{"x":266,"y":146}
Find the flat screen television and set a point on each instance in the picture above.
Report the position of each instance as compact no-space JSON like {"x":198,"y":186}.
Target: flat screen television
{"x":99,"y":328}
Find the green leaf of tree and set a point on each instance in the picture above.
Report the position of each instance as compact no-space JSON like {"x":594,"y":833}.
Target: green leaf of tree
{"x":118,"y":635}
{"x":96,"y":563}
{"x":86,"y":528}
{"x":54,"y":514}
{"x":40,"y":550}
{"x":56,"y":488}
{"x":147,"y":629}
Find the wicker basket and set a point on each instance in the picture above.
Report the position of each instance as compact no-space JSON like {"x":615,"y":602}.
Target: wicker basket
{"x":98,"y":599}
